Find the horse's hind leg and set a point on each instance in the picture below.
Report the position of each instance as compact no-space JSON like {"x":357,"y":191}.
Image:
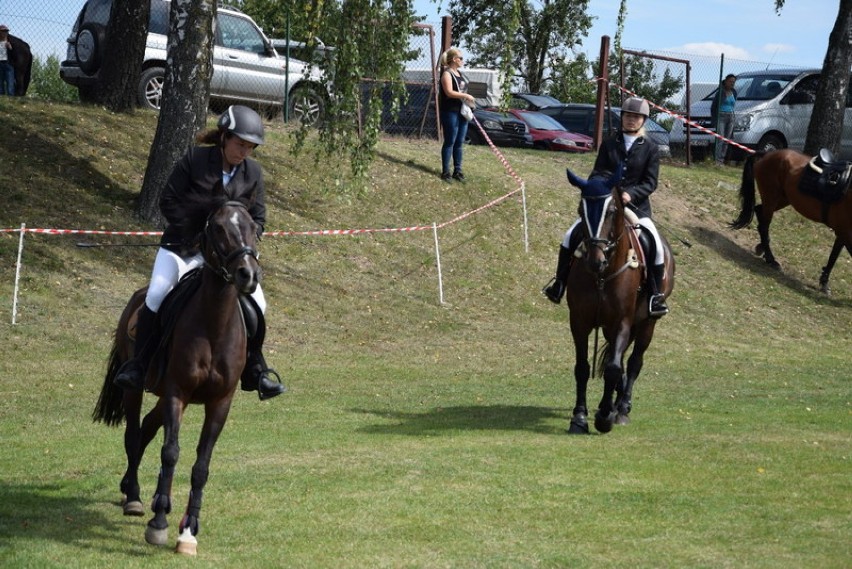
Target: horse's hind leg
{"x":832,"y":258}
{"x":190,"y":525}
{"x":624,"y":400}
{"x":764,"y":219}
{"x":579,"y":416}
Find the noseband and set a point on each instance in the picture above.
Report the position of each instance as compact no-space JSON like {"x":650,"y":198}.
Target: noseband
{"x":226,"y":259}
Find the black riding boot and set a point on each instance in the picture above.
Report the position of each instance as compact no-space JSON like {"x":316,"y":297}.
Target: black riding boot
{"x":657,"y":305}
{"x":556,"y":287}
{"x":131,"y":374}
{"x":256,"y":376}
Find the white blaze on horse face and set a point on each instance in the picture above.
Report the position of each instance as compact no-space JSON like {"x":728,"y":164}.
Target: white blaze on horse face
{"x":235,"y":221}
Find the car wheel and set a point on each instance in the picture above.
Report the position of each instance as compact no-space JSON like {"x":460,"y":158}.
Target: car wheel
{"x":770,"y":142}
{"x":150,"y":92}
{"x":306,"y":105}
{"x":89,"y":46}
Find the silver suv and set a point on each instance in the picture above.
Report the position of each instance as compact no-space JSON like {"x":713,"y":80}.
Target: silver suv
{"x":773,"y":111}
{"x":246,"y":68}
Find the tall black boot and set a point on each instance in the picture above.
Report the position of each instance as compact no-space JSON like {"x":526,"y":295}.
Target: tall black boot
{"x":657,"y":306}
{"x":556,"y":287}
{"x":256,"y":376}
{"x":131,"y":375}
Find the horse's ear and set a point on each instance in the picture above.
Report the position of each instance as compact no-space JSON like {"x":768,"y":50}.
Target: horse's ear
{"x":575,"y":180}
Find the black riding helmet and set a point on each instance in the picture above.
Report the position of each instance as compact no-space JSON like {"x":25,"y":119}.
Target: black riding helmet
{"x":243,"y":122}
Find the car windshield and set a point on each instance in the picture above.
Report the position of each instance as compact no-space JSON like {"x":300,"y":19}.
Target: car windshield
{"x":539,"y":101}
{"x":541,"y":122}
{"x":758,"y":87}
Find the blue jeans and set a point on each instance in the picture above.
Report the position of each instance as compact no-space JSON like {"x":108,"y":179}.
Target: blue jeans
{"x":455,"y":131}
{"x":7,"y":76}
{"x":724,"y":128}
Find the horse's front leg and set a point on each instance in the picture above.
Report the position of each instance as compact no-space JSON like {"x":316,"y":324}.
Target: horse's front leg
{"x":157,"y":532}
{"x":764,"y":219}
{"x":579,"y":417}
{"x":832,"y":258}
{"x":624,"y":401}
{"x":190,"y":526}
{"x":613,"y":378}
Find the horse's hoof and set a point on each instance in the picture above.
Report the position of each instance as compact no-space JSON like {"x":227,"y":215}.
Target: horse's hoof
{"x":603,"y":423}
{"x":186,"y":543}
{"x":578,"y":427}
{"x":134,"y":508}
{"x":622,"y":419}
{"x":156,"y":536}
{"x":826,"y":290}
{"x":773,"y":264}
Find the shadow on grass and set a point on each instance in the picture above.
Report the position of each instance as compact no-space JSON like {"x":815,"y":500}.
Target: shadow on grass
{"x":751,"y":262}
{"x":58,"y":513}
{"x":544,"y":420}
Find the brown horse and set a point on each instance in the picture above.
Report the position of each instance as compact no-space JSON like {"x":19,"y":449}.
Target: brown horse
{"x":778,"y":175}
{"x":605,"y":291}
{"x":200,"y":361}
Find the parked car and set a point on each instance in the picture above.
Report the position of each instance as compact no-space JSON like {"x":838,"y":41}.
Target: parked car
{"x":246,"y":68}
{"x":547,"y":134}
{"x":580,"y":118}
{"x":502,"y":128}
{"x":773,"y":111}
{"x":533,"y":101}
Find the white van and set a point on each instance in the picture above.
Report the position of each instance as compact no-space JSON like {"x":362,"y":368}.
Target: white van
{"x":773,"y":111}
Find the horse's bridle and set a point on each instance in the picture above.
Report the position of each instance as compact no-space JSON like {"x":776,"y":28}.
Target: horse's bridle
{"x":224,"y":259}
{"x":606,"y":245}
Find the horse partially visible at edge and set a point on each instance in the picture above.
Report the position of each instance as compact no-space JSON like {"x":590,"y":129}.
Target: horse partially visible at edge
{"x":200,"y":362}
{"x":606,"y":291}
{"x":817,"y":187}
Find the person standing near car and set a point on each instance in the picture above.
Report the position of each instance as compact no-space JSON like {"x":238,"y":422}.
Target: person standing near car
{"x":452,"y":96}
{"x":7,"y":70}
{"x":722,"y":115}
{"x":222,"y":158}
{"x":639,"y":157}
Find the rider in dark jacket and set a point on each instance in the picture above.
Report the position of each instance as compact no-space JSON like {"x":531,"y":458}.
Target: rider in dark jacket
{"x":640,"y":159}
{"x":225,"y":161}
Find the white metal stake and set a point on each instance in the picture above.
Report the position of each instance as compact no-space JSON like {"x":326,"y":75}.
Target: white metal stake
{"x":526,"y":227}
{"x":438,"y":262}
{"x":18,"y":274}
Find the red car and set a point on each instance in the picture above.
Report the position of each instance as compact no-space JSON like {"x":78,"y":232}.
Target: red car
{"x":548,"y":134}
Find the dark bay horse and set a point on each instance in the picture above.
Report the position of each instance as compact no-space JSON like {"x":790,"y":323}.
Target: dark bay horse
{"x":778,"y":175}
{"x":200,"y":362}
{"x":605,"y":291}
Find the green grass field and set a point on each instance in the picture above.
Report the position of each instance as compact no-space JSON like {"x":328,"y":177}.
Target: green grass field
{"x":417,"y":434}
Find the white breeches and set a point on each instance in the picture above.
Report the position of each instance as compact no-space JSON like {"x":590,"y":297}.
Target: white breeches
{"x":646,"y":222}
{"x":169,"y":267}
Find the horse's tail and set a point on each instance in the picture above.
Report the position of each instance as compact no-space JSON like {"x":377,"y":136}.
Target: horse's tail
{"x":603,"y":355}
{"x":110,"y":406}
{"x":747,"y":198}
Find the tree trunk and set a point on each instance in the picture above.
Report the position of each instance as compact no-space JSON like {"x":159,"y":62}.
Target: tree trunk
{"x":122,"y":66}
{"x":826,"y":127}
{"x":186,"y":93}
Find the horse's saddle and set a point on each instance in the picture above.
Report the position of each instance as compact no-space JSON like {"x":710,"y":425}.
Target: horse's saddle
{"x":826,"y":178}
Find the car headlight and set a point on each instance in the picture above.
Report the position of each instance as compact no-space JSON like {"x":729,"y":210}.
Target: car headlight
{"x":743,"y":122}
{"x":564,"y":141}
{"x":491,"y":124}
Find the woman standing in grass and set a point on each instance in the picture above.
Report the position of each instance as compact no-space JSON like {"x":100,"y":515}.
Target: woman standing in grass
{"x":453,"y":95}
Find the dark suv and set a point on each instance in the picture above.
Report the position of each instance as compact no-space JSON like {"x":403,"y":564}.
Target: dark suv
{"x":246,"y":68}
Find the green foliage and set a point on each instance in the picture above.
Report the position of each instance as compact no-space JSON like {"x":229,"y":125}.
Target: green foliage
{"x":46,"y":83}
{"x":571,"y":80}
{"x":525,"y":37}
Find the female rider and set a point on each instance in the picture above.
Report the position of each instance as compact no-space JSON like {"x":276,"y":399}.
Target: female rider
{"x":640,"y":158}
{"x":223,"y":158}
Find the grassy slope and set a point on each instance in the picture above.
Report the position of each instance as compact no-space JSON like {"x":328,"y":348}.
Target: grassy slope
{"x":417,"y":434}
